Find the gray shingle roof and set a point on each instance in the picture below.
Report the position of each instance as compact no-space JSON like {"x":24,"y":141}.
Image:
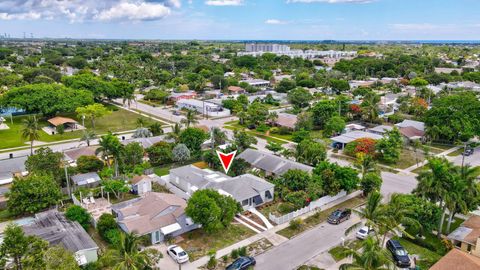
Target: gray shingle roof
{"x":271,"y":163}
{"x":146,"y":142}
{"x":10,"y":166}
{"x":354,"y":135}
{"x":85,"y":178}
{"x":240,"y":187}
{"x":55,"y":228}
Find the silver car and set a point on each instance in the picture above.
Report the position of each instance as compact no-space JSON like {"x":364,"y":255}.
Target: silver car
{"x":177,"y":253}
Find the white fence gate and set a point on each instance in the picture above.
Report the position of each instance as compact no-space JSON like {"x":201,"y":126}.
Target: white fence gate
{"x":312,"y":206}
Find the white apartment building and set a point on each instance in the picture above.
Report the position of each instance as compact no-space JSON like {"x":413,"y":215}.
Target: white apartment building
{"x":266,"y":47}
{"x":308,"y":54}
{"x":203,"y":107}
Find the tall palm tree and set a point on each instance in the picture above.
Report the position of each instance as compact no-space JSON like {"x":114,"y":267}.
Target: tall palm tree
{"x":372,"y":213}
{"x":218,"y":137}
{"x":369,"y":107}
{"x":371,"y":257}
{"x":31,"y":130}
{"x":434,"y":184}
{"x":242,"y":115}
{"x":87,"y":136}
{"x":272,"y":117}
{"x":175,"y":134}
{"x":128,"y":98}
{"x":110,"y":147}
{"x":365,"y":163}
{"x":190,"y":118}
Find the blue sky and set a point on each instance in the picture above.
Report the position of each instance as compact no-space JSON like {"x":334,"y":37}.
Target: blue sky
{"x":244,"y":19}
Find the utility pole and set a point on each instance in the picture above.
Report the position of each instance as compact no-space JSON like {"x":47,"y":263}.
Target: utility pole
{"x":65,"y":165}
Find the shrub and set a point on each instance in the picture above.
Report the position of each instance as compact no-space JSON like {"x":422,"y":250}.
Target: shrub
{"x":113,"y":236}
{"x":295,"y":224}
{"x":212,"y":262}
{"x":262,"y":128}
{"x":285,"y":208}
{"x":105,"y":223}
{"x":242,"y":251}
{"x":284,"y":131}
{"x":87,"y":164}
{"x":234,"y":254}
{"x":296,"y":198}
{"x":274,"y":130}
{"x":78,"y":213}
{"x":225,"y":258}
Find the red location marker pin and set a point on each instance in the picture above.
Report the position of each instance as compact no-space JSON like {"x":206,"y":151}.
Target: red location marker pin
{"x":226,"y":159}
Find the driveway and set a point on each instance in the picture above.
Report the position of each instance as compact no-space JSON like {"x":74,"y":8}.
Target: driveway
{"x":298,"y":250}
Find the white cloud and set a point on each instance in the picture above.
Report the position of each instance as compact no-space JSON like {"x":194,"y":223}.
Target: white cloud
{"x":224,"y":2}
{"x":86,"y":10}
{"x":134,"y":12}
{"x":275,"y":21}
{"x":413,"y":26}
{"x":331,"y":1}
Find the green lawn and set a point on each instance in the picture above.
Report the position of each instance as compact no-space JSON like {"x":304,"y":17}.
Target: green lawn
{"x":258,"y":134}
{"x":119,"y":120}
{"x":407,"y":158}
{"x":338,"y":252}
{"x":161,"y":171}
{"x":319,"y":217}
{"x":198,"y":243}
{"x":427,"y":258}
{"x":456,"y":152}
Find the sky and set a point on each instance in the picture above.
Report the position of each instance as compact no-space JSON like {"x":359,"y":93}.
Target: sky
{"x":243,"y":19}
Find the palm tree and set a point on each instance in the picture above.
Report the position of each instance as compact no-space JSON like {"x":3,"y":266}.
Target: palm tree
{"x":435,"y":183}
{"x":156,"y":129}
{"x":110,"y":146}
{"x":31,"y":130}
{"x":128,"y":98}
{"x":87,"y":136}
{"x":175,"y":134}
{"x":190,"y":118}
{"x":371,"y":257}
{"x":128,"y":256}
{"x":242,"y":115}
{"x":462,"y":196}
{"x":369,"y":107}
{"x":365,"y":163}
{"x":272,"y":117}
{"x":218,"y":137}
{"x":372,"y":213}
{"x":141,"y":122}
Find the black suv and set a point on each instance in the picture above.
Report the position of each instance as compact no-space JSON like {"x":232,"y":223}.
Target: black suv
{"x":338,"y":216}
{"x":242,"y":263}
{"x":400,"y":255}
{"x":468,"y":152}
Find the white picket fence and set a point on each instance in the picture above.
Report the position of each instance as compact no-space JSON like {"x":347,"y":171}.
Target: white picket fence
{"x":312,"y":206}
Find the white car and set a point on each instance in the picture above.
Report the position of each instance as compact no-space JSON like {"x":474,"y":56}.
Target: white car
{"x":177,"y":253}
{"x":364,"y":232}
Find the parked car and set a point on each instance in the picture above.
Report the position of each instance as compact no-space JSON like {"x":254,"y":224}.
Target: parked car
{"x":364,"y":232}
{"x":242,"y":263}
{"x":468,"y":152}
{"x":400,"y":255}
{"x":176,"y":113}
{"x":177,"y":253}
{"x":338,"y":216}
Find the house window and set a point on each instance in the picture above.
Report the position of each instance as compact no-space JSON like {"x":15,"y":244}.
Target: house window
{"x":245,"y":202}
{"x":268,"y":195}
{"x":469,"y":248}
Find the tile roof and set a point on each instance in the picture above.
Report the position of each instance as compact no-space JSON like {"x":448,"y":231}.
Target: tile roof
{"x":469,"y":231}
{"x":411,"y":123}
{"x":411,"y":132}
{"x":286,"y":120}
{"x":74,"y":154}
{"x":58,"y":120}
{"x":457,"y":260}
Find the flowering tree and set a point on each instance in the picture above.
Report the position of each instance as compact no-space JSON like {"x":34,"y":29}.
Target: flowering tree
{"x":362,"y":145}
